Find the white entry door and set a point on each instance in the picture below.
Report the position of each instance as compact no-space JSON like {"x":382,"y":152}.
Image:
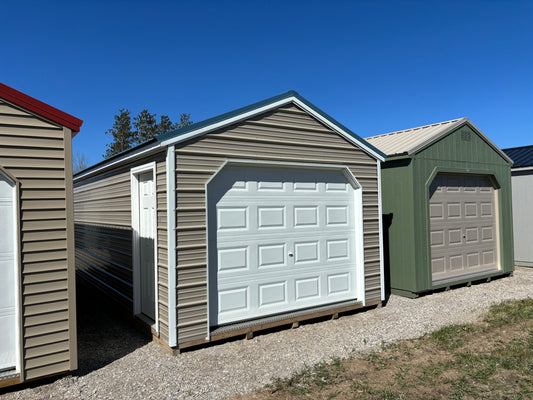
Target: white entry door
{"x":8,"y":281}
{"x":284,"y":238}
{"x":146,"y":243}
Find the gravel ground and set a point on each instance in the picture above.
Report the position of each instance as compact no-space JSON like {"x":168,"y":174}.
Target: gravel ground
{"x":117,"y":362}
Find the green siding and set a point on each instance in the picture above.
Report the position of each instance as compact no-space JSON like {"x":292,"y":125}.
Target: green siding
{"x":398,"y":204}
{"x":405,"y":183}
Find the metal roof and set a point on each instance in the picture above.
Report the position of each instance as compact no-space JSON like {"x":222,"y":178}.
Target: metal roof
{"x":40,"y":108}
{"x":259,"y":107}
{"x":522,"y":156}
{"x":211,"y":124}
{"x":410,"y":141}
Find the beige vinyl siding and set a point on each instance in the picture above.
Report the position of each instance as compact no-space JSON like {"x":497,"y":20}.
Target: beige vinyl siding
{"x":162,"y":249}
{"x":102,"y":213}
{"x":37,"y":153}
{"x":287,"y":134}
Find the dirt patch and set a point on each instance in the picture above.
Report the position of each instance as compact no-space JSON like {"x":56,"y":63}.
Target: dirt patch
{"x":457,"y":362}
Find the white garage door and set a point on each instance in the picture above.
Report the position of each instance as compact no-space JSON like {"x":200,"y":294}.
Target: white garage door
{"x":8,"y":283}
{"x":463,"y":218}
{"x":285,"y":240}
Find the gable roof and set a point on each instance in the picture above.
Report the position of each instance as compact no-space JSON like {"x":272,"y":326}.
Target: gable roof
{"x":413,"y":140}
{"x":229,"y":118}
{"x":522,"y":156}
{"x":38,"y":107}
{"x":260,"y":107}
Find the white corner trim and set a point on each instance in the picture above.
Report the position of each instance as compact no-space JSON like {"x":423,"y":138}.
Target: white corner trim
{"x":380,"y":218}
{"x":171,"y":240}
{"x":134,"y":174}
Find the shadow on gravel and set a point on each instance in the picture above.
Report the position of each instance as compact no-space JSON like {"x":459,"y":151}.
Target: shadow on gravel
{"x":106,"y":331}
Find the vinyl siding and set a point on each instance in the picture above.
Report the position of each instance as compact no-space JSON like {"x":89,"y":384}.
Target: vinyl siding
{"x":102,"y":214}
{"x":287,"y":134}
{"x":37,"y":153}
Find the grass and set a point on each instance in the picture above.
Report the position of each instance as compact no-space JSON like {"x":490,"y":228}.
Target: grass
{"x":492,"y":359}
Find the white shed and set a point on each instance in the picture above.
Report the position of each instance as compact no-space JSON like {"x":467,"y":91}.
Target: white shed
{"x":522,"y":183}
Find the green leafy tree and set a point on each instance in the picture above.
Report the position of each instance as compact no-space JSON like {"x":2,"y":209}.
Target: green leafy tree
{"x":123,"y":136}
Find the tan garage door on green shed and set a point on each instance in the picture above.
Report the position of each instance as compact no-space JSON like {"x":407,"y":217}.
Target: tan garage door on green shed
{"x":463,"y":224}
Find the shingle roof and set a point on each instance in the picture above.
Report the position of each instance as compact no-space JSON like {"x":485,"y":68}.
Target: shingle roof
{"x":522,"y":156}
{"x":409,"y":141}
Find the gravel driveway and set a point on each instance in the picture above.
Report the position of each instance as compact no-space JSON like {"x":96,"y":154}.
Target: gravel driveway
{"x":117,"y":362}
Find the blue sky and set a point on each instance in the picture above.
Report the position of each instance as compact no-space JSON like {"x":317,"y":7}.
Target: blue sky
{"x":375,"y":66}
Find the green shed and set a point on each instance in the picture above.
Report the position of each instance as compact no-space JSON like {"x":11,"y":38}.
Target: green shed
{"x":446,"y":206}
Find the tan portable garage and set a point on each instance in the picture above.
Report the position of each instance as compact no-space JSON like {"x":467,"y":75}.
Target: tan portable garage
{"x":259,"y":217}
{"x":37,"y":291}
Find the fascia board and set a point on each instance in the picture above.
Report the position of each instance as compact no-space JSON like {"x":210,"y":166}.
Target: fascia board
{"x":143,"y":151}
{"x":517,"y":169}
{"x":266,"y":108}
{"x":226,"y":122}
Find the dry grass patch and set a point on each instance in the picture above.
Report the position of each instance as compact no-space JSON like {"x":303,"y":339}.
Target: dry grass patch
{"x":492,"y":359}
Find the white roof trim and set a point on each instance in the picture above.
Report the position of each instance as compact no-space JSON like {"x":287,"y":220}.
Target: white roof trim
{"x":232,"y":120}
{"x":530,"y":168}
{"x":139,"y":152}
{"x":264,"y":109}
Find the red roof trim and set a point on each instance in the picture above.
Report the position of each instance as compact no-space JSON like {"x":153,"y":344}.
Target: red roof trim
{"x":40,"y":108}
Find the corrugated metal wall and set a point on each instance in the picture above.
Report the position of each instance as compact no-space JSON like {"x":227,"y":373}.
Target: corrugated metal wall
{"x":287,"y":134}
{"x":102,"y":214}
{"x":37,"y":153}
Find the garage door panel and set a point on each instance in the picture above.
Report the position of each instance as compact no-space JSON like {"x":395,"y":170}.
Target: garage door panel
{"x":233,"y":259}
{"x":272,"y":255}
{"x":306,"y":288}
{"x":284,"y":240}
{"x":467,"y":226}
{"x":233,"y":218}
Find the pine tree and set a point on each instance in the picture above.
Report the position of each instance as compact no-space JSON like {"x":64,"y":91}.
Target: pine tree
{"x":185,"y":120}
{"x":121,"y":132}
{"x":145,"y":126}
{"x":165,"y":125}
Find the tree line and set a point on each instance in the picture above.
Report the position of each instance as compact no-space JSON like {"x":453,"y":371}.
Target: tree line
{"x":127,"y":134}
